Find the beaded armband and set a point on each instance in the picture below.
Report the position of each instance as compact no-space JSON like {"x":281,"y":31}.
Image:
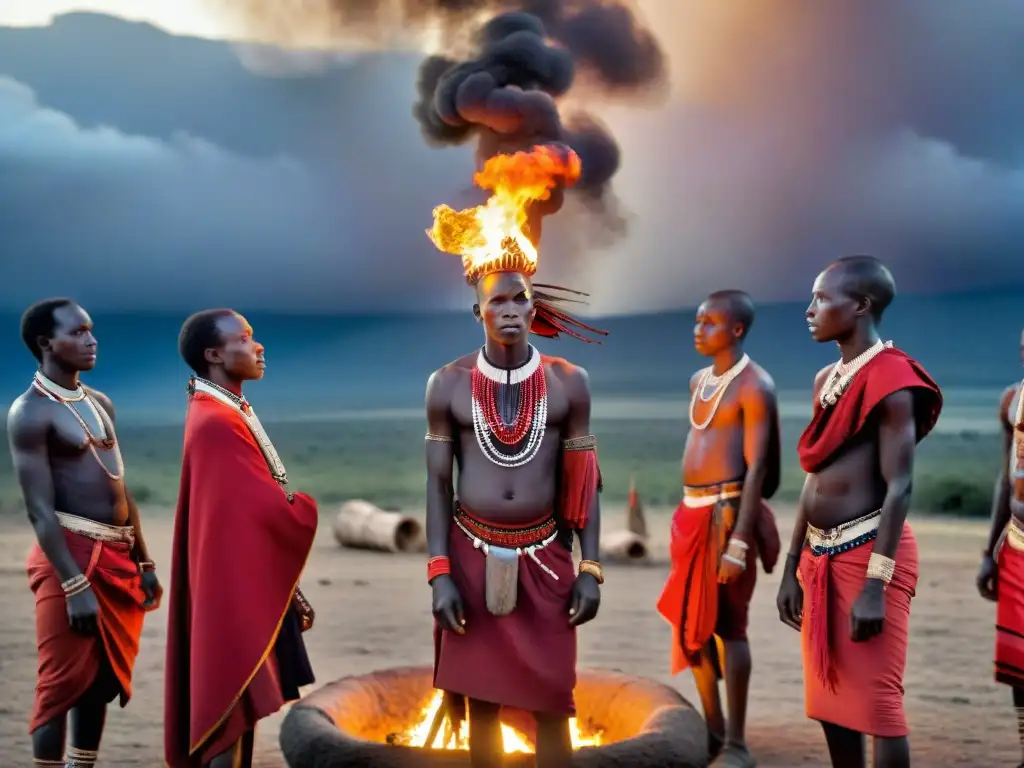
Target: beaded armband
{"x":438,"y":438}
{"x":585,"y":443}
{"x":881,"y":567}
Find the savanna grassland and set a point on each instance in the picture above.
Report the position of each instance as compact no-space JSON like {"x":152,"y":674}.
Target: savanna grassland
{"x":381,"y":459}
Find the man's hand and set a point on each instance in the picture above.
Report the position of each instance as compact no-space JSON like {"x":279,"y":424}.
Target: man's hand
{"x":83,"y":612}
{"x":586,"y":599}
{"x":447,"y":605}
{"x":988,"y":578}
{"x":868,"y":615}
{"x":153,"y":590}
{"x":733,"y":563}
{"x":790,"y":600}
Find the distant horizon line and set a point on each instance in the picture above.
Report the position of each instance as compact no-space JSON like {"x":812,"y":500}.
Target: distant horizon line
{"x":989,"y":292}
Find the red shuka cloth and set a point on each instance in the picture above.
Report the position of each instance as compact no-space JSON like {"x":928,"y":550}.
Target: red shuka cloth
{"x":889,"y":371}
{"x":692,"y":601}
{"x":856,"y":685}
{"x":580,"y":484}
{"x":239,"y":549}
{"x":524,"y":661}
{"x":1010,"y":616}
{"x":68,"y":661}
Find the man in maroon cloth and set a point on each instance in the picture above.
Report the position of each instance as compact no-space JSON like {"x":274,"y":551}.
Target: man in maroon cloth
{"x":852,"y":567}
{"x":234,"y":648}
{"x":90,"y":571}
{"x":1001,"y":577}
{"x":506,"y":598}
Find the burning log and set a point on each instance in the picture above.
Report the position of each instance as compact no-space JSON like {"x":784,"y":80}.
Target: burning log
{"x":361,"y":525}
{"x":384,"y":719}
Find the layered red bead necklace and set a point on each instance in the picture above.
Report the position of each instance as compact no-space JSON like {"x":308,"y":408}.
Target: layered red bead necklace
{"x":524,"y":390}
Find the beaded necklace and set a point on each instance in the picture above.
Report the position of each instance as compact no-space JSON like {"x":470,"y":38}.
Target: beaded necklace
{"x":719,"y":384}
{"x":252,"y":421}
{"x":524,"y":391}
{"x":842,"y":373}
{"x":67,"y":397}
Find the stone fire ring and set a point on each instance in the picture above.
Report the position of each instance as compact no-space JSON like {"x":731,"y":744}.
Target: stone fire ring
{"x":644,"y":724}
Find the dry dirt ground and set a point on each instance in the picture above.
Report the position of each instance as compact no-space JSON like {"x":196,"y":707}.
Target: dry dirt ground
{"x":373,"y":611}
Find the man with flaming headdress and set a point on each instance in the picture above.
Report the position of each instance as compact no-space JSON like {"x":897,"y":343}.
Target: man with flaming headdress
{"x":506,"y":598}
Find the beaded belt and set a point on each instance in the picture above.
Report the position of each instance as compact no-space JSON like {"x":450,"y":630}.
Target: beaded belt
{"x":843,"y":537}
{"x":524,"y":540}
{"x":91,"y":529}
{"x":696,"y":497}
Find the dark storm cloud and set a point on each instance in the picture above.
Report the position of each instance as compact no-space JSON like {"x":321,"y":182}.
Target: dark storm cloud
{"x":795,"y":133}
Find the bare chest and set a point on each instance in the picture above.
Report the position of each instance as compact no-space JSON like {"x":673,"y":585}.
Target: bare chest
{"x":76,"y":426}
{"x":710,"y":411}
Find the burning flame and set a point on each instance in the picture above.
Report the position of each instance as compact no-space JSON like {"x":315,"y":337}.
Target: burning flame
{"x":513,"y":740}
{"x":490,"y":237}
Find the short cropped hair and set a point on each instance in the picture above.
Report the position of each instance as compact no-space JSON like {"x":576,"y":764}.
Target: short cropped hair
{"x":868,"y":278}
{"x":38,"y":320}
{"x":741,"y":307}
{"x":198,"y":334}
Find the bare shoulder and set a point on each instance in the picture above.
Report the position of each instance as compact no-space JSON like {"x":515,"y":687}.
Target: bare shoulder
{"x":696,"y":378}
{"x":105,"y":402}
{"x":27,"y":416}
{"x":757,"y":382}
{"x":820,"y":377}
{"x":573,"y":377}
{"x":441,"y":382}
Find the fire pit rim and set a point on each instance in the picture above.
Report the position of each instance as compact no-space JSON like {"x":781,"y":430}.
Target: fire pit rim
{"x":672,"y":732}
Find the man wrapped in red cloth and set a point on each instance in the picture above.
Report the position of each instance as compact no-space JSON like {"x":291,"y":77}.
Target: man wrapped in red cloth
{"x":235,"y":653}
{"x":731,"y":459}
{"x":1001,"y":577}
{"x":506,"y":598}
{"x":852,"y":568}
{"x":90,"y":570}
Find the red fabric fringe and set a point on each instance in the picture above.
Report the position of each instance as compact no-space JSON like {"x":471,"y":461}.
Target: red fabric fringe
{"x":581,"y":480}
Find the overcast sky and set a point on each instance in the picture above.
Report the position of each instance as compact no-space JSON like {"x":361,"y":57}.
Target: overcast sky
{"x":172,"y":173}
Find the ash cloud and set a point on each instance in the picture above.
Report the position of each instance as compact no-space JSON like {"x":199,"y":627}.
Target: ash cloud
{"x":504,"y":91}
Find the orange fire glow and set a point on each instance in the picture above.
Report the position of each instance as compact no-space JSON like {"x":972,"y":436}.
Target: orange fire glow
{"x":491,"y":236}
{"x":514,"y":742}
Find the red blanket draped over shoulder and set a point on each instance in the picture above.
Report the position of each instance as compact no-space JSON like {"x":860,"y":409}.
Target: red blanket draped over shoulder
{"x":889,"y":371}
{"x":239,"y":549}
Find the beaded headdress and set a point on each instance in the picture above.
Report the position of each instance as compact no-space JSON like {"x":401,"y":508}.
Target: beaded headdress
{"x":491,"y":237}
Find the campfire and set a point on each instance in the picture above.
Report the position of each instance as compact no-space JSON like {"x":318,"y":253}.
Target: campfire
{"x":388,"y":719}
{"x":425,"y":731}
{"x":499,"y":226}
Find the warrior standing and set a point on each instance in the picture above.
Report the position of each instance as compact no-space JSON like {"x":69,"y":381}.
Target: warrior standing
{"x":506,"y":598}
{"x":235,"y":653}
{"x":852,"y":567}
{"x":90,"y":571}
{"x":1003,"y":581}
{"x":731,"y":463}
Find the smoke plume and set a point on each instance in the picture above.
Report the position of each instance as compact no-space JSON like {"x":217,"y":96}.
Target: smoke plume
{"x":504,"y":92}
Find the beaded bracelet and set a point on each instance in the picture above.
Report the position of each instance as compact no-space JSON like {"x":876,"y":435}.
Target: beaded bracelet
{"x":438,"y":566}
